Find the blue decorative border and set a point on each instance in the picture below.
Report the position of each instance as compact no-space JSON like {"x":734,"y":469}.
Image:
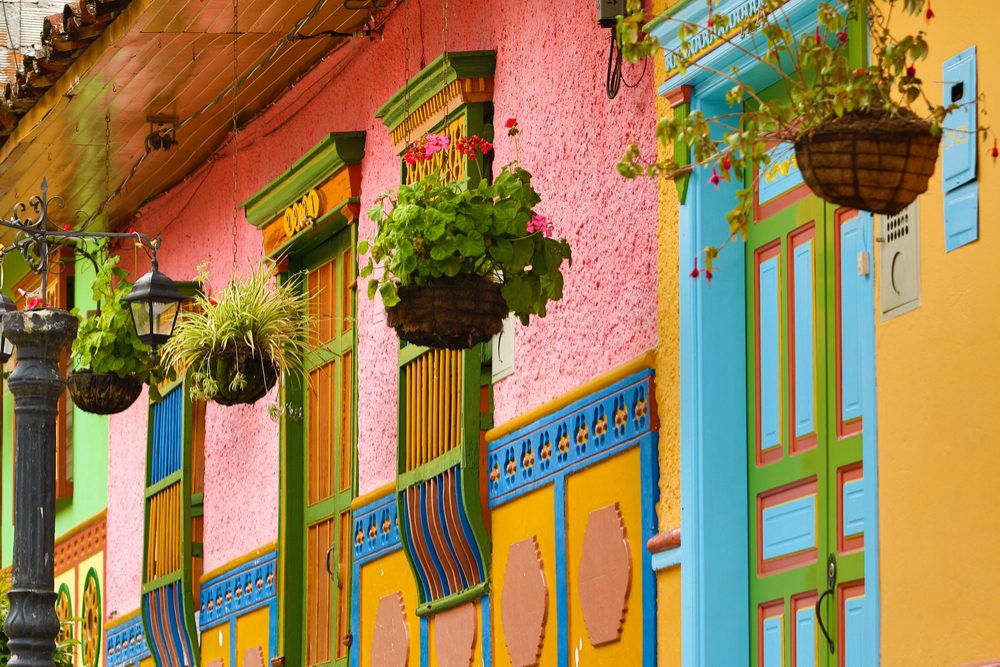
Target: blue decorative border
{"x":246,"y":588}
{"x":376,"y":529}
{"x":125,"y":644}
{"x":576,"y":436}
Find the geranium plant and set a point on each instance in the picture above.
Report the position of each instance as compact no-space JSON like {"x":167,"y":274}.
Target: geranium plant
{"x":106,"y":340}
{"x":824,"y":87}
{"x":438,"y":228}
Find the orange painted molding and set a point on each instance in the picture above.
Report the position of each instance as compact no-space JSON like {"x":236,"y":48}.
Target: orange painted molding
{"x":679,"y":95}
{"x":372,"y":496}
{"x":81,"y":542}
{"x":664,"y":541}
{"x":79,"y":528}
{"x":235,"y":563}
{"x":645,"y":360}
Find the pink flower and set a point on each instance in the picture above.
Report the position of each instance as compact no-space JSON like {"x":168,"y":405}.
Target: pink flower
{"x":66,"y":227}
{"x":695,"y":272}
{"x":714,"y":178}
{"x":539,"y":223}
{"x":34,"y":302}
{"x":434,"y":143}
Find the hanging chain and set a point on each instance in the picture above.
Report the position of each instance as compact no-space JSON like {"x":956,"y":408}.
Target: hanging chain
{"x":236,"y":8}
{"x":107,"y":153}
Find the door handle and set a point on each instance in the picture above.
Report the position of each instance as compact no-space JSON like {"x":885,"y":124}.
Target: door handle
{"x":335,"y":574}
{"x":831,"y":587}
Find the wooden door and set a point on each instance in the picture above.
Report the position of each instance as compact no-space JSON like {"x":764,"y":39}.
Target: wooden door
{"x":328,"y":434}
{"x":804,"y":436}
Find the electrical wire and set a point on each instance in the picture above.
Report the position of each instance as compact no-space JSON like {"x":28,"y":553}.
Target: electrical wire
{"x":615,"y":78}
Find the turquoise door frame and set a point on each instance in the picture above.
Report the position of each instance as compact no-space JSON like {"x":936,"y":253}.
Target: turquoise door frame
{"x":714,"y":514}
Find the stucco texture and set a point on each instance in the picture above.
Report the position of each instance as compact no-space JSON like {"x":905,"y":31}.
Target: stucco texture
{"x":551,"y":60}
{"x":936,"y":370}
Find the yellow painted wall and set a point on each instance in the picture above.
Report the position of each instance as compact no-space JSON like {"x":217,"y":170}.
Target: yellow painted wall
{"x":937,"y":373}
{"x":253,"y":632}
{"x":215,"y":643}
{"x":379,"y":578}
{"x":611,"y":481}
{"x":668,"y":388}
{"x":529,"y":515}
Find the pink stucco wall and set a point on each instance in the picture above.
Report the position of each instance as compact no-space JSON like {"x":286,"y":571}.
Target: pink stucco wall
{"x":551,"y":59}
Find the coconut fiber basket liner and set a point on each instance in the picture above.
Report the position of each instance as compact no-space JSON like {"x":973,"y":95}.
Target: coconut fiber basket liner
{"x":260,"y":371}
{"x":102,"y":393}
{"x":454,"y":313}
{"x":870,"y":162}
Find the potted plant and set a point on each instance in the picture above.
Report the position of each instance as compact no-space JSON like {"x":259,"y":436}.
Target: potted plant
{"x":110,"y":362}
{"x":860,"y":137}
{"x":235,"y":346}
{"x":458,"y":256}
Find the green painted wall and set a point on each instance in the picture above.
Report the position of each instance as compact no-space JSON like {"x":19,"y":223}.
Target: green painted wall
{"x":90,"y":452}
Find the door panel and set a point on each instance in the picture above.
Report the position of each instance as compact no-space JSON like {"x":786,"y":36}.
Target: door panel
{"x":329,"y":452}
{"x":804,"y":447}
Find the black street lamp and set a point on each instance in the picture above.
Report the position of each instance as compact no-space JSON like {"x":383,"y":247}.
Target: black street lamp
{"x":36,"y":384}
{"x":155,"y":302}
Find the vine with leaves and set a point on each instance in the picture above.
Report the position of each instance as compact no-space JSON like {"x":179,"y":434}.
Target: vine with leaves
{"x":821,"y":82}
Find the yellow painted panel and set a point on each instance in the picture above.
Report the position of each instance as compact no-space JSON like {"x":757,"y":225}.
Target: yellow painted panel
{"x":477,"y":653}
{"x":214,"y":645}
{"x":668,"y":617}
{"x":253,"y":631}
{"x":147,"y":662}
{"x":614,"y":480}
{"x":530,"y":515}
{"x":379,"y":578}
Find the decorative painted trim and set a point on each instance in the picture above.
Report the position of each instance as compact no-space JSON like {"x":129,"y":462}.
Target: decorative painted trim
{"x":848,"y":224}
{"x":333,"y":153}
{"x":802,"y":327}
{"x":645,"y":360}
{"x":249,"y":586}
{"x":376,"y":529}
{"x":125,"y":643}
{"x":577,"y":436}
{"x":373,"y":496}
{"x":82,"y":542}
{"x":433,"y":79}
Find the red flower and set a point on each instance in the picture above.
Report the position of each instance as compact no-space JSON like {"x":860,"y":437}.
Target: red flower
{"x":930,"y":12}
{"x":726,"y":164}
{"x":842,"y":37}
{"x":511,"y":122}
{"x":911,"y":71}
{"x":708,"y":276}
{"x":66,"y":227}
{"x":711,"y":22}
{"x":995,"y":152}
{"x":714,"y":179}
{"x":819,"y":40}
{"x":485,"y":146}
{"x":695,"y":272}
{"x":132,"y":230}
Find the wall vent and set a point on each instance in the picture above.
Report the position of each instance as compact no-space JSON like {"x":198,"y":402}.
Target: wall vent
{"x":899,"y":275}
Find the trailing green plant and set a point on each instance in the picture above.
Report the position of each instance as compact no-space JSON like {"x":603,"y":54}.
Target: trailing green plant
{"x":258,"y":313}
{"x":822,"y":76}
{"x":439,"y":227}
{"x":106,"y":341}
{"x":65,"y":650}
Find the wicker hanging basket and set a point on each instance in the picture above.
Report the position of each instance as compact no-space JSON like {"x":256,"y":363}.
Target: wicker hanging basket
{"x":102,"y":393}
{"x":259,"y":371}
{"x":869,"y":161}
{"x":454,"y":313}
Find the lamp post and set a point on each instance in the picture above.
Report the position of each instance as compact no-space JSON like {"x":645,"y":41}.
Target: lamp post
{"x":36,"y":384}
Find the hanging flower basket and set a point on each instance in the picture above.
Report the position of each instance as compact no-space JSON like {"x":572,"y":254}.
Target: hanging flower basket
{"x":102,"y":393}
{"x":454,"y":313}
{"x":869,"y":161}
{"x":241,"y":375}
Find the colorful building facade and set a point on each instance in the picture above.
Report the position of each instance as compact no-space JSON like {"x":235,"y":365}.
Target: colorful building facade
{"x":661,"y":471}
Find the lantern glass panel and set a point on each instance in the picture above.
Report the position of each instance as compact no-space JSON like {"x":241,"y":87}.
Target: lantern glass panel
{"x":140,"y":316}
